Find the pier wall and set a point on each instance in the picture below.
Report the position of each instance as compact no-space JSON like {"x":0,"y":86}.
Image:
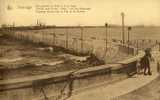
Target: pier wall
{"x":64,"y":84}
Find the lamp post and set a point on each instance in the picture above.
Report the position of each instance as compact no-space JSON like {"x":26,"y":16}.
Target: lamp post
{"x":123,"y":36}
{"x":106,"y":25}
{"x":129,"y":29}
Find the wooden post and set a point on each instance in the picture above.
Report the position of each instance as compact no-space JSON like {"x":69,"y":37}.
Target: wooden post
{"x":123,"y":36}
{"x":81,"y":40}
{"x":137,"y":46}
{"x":106,"y":25}
{"x":54,"y":37}
{"x":129,"y":28}
{"x":66,"y":38}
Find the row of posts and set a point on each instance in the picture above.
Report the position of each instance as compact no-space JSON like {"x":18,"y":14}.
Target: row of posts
{"x":106,"y":37}
{"x":28,"y":38}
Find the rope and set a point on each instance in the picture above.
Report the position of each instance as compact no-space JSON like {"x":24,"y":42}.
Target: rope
{"x":70,"y":84}
{"x":44,"y":94}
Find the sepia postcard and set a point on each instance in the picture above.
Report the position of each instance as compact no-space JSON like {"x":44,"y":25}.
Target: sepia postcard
{"x":79,"y":49}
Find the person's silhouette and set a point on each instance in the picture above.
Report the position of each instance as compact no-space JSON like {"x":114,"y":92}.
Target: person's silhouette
{"x":145,"y":61}
{"x":147,"y":58}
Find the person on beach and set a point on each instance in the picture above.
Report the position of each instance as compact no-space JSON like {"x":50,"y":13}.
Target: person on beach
{"x":145,"y":61}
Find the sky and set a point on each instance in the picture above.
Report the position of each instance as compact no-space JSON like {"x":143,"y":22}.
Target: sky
{"x":137,"y":12}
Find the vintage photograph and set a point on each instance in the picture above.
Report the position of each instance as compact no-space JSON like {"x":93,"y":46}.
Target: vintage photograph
{"x":79,"y":49}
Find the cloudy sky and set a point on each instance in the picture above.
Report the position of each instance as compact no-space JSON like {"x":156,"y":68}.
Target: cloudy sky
{"x":23,"y":12}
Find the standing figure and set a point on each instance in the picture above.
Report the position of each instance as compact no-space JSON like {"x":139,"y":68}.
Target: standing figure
{"x":145,"y":61}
